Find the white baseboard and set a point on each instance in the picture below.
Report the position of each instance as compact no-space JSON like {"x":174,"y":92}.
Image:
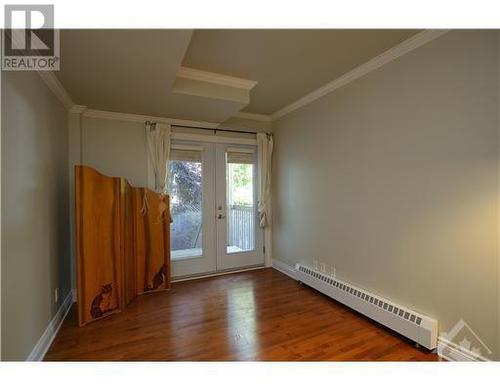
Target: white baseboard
{"x":284,"y":268}
{"x":450,"y":351}
{"x":43,"y":344}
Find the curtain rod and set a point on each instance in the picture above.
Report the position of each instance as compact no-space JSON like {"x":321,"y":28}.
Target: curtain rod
{"x":203,"y":128}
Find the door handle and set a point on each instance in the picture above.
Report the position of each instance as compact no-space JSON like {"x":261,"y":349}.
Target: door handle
{"x":220,"y":216}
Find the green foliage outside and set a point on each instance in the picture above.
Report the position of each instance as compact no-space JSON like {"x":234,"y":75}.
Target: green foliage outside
{"x":242,"y":185}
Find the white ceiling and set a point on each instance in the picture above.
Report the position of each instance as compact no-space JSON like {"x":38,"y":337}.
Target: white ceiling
{"x":134,"y":71}
{"x":288,"y":64}
{"x":129,"y":71}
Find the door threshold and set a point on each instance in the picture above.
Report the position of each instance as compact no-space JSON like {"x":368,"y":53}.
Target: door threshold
{"x":215,"y":274}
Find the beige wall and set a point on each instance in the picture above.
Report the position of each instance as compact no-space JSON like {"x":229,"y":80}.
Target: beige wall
{"x":35,"y":240}
{"x":118,"y":148}
{"x":393,"y":179}
{"x":115,"y":148}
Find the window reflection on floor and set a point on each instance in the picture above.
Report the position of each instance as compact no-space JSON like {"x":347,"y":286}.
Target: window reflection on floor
{"x":242,"y":318}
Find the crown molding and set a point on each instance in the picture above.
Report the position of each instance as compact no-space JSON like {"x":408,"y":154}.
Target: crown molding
{"x":77,"y":109}
{"x":256,"y":117}
{"x":112,"y":115}
{"x":395,"y":52}
{"x":216,"y":78}
{"x":57,"y":88}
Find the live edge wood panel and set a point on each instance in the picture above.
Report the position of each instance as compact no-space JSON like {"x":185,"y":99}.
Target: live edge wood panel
{"x":123,"y":243}
{"x":98,"y":239}
{"x":128,"y":243}
{"x":152,"y":241}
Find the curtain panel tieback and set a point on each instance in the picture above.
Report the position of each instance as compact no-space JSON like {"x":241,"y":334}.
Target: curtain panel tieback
{"x":158,"y":139}
{"x":265,"y":151}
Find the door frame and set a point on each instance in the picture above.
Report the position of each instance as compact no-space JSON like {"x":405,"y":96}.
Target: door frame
{"x":206,"y":263}
{"x":179,"y":137}
{"x":244,"y":259}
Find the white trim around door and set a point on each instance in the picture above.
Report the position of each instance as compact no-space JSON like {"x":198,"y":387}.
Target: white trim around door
{"x":240,"y":239}
{"x":231,"y":237}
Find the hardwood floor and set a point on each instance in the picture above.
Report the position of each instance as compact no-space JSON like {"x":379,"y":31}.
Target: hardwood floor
{"x":255,"y":315}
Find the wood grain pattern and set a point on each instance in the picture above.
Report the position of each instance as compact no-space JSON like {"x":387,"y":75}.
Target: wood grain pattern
{"x":128,"y":244}
{"x":99,"y":261}
{"x":123,"y":249}
{"x":152,"y":241}
{"x":255,"y":315}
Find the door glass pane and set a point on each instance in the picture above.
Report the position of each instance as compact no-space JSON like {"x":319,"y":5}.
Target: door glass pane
{"x":186,"y":188}
{"x":240,"y":205}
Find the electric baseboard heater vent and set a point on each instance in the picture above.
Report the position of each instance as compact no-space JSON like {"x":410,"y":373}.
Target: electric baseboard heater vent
{"x":415,"y":326}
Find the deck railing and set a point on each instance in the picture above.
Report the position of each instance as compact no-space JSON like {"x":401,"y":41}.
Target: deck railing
{"x":241,"y":227}
{"x":186,"y":228}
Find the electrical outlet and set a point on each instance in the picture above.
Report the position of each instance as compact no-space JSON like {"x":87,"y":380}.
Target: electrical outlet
{"x":322,"y":267}
{"x":56,"y":295}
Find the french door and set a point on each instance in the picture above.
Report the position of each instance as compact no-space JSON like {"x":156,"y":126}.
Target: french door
{"x":213,"y":196}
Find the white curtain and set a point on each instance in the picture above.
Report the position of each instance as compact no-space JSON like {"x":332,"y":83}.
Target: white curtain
{"x":158,"y":140}
{"x":265,"y":151}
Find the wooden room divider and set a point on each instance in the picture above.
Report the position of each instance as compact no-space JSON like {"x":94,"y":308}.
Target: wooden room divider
{"x":122,"y":243}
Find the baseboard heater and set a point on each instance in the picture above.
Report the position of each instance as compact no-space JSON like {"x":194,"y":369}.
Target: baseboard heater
{"x":415,"y":326}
